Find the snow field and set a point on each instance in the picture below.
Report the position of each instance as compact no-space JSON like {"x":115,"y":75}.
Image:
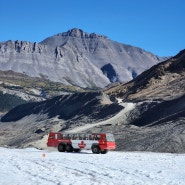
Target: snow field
{"x":29,"y":166}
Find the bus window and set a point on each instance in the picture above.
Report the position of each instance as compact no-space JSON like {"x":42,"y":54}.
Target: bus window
{"x":51,"y":137}
{"x":74,"y":136}
{"x":77,"y":137}
{"x":80,"y":137}
{"x":87,"y":137}
{"x":97,"y":137}
{"x":110,"y":137}
{"x":68,"y":136}
{"x":84,"y":137}
{"x":59,"y":136}
{"x":64,"y":136}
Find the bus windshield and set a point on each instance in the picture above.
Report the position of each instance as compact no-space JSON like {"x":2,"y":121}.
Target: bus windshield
{"x":110,"y":137}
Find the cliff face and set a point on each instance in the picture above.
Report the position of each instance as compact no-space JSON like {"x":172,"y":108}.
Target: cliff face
{"x":76,"y":57}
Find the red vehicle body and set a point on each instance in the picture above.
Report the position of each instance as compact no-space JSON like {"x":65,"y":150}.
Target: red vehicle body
{"x":98,"y":143}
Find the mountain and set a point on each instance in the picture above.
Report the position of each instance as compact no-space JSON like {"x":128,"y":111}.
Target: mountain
{"x":145,"y":114}
{"x":157,"y":122}
{"x":164,"y":81}
{"x":148,"y":114}
{"x":161,"y":89}
{"x":76,"y":58}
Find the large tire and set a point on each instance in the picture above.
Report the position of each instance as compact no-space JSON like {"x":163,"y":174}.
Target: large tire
{"x":69,"y":148}
{"x":61,"y":148}
{"x":76,"y":150}
{"x":96,"y":149}
{"x":104,"y":151}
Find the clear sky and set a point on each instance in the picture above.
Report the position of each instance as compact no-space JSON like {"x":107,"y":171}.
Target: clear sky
{"x":157,"y":26}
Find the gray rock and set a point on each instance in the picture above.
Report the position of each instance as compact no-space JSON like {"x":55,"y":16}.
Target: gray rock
{"x":76,"y":57}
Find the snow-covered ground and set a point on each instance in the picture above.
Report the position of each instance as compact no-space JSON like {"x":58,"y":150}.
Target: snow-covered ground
{"x":29,"y":166}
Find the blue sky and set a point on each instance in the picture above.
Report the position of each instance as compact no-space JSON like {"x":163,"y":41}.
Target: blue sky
{"x":157,"y":26}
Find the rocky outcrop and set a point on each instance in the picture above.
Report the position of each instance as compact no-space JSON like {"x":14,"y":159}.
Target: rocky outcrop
{"x":75,"y":32}
{"x":21,"y":47}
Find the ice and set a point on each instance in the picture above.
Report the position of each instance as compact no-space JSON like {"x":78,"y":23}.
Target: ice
{"x":31,"y":166}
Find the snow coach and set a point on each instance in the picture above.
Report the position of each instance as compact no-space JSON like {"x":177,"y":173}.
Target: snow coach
{"x":68,"y":142}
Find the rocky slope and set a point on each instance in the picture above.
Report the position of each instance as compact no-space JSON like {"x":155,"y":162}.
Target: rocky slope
{"x":76,"y":58}
{"x":158,"y":121}
{"x":30,"y":122}
{"x":79,"y":106}
{"x":164,"y":81}
{"x":148,"y":114}
{"x":161,"y":88}
{"x":18,"y":88}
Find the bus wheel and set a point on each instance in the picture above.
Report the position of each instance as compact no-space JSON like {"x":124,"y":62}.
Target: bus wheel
{"x":95,"y":149}
{"x":76,"y":150}
{"x":69,"y":148}
{"x":61,"y":148}
{"x":104,"y":151}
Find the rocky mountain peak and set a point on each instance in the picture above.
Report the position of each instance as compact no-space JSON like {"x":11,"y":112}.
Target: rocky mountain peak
{"x":75,"y":32}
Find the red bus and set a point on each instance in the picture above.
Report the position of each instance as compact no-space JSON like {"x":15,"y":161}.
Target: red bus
{"x":98,"y":143}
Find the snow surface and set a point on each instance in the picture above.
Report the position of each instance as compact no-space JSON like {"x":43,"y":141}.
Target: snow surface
{"x":29,"y":166}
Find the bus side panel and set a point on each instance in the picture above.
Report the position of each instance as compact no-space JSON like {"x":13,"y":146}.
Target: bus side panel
{"x":83,"y":144}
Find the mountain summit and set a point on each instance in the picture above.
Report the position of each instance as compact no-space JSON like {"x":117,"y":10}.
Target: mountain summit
{"x":75,"y":32}
{"x":76,"y":58}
